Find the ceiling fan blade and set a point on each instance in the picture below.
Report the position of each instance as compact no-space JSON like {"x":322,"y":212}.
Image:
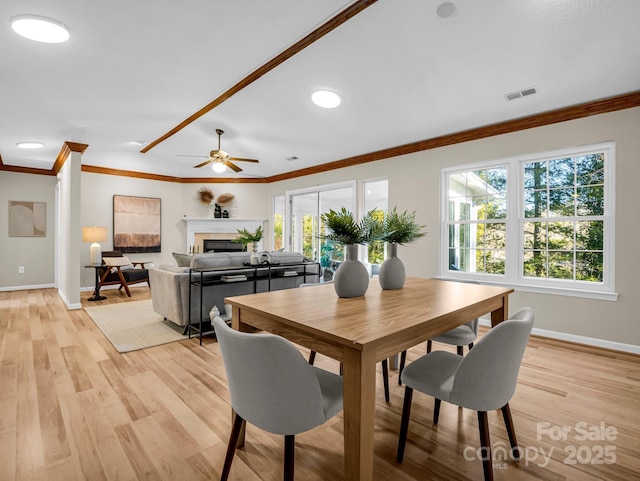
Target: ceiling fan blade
{"x":244,"y":160}
{"x":232,"y":166}
{"x":208,"y":161}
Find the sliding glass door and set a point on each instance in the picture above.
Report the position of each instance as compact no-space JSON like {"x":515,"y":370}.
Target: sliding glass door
{"x":305,"y":208}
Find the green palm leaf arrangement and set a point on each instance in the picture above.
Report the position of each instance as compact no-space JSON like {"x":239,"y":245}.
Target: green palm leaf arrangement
{"x":401,"y":228}
{"x":245,"y":237}
{"x":344,"y":229}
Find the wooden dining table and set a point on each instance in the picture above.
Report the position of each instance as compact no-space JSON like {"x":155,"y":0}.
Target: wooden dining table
{"x":361,"y":331}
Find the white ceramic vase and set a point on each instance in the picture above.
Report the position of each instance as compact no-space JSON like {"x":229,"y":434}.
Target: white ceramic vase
{"x":351,"y":279}
{"x":392,"y":272}
{"x":255,"y":257}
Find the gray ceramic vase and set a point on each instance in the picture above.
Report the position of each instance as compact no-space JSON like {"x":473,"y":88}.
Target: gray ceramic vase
{"x":351,"y":278}
{"x":392,"y":274}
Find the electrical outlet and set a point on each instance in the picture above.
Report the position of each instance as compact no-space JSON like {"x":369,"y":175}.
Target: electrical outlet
{"x":21,"y":270}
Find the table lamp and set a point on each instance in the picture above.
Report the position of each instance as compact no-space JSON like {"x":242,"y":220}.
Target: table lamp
{"x":95,"y":234}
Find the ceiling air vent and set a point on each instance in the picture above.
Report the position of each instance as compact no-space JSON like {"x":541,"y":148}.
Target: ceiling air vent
{"x":521,"y":93}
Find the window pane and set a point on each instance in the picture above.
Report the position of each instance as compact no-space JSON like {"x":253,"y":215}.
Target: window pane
{"x":590,"y":200}
{"x":535,"y":175}
{"x":278,"y":222}
{"x":560,"y":236}
{"x":497,"y":207}
{"x":590,"y":169}
{"x":590,"y":235}
{"x":535,"y":264}
{"x":561,"y":173}
{"x":495,"y":236}
{"x":478,"y":207}
{"x":535,"y":235}
{"x":561,"y":202}
{"x":590,"y":266}
{"x":495,"y":261}
{"x":535,"y":203}
{"x":561,"y":265}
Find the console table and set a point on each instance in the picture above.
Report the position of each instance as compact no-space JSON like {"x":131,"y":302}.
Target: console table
{"x":201,"y":278}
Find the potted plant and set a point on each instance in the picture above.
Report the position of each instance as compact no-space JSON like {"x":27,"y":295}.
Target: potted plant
{"x":245,"y":238}
{"x":398,"y":228}
{"x":351,"y":279}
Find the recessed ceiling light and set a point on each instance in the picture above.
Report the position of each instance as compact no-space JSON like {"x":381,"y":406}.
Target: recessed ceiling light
{"x":218,"y":167}
{"x":326,"y":99}
{"x":40,"y":29}
{"x":30,"y":145}
{"x":446,"y":9}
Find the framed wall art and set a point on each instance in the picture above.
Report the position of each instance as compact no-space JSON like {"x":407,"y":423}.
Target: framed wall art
{"x":27,"y":219}
{"x":136,"y":224}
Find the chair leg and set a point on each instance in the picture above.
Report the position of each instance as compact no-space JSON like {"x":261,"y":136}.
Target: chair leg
{"x":485,"y":445}
{"x":385,"y":378}
{"x":470,"y":345}
{"x":460,"y":351}
{"x":429,"y":346}
{"x":403,"y":360}
{"x":312,"y":357}
{"x":289,"y":456}
{"x":436,"y":410}
{"x":511,"y":432}
{"x":238,"y":423}
{"x":404,"y":423}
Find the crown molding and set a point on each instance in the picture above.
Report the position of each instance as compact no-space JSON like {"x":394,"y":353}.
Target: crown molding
{"x":64,"y":153}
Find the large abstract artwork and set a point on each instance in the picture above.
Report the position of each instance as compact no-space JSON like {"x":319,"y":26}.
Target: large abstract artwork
{"x":27,"y":219}
{"x":136,"y":224}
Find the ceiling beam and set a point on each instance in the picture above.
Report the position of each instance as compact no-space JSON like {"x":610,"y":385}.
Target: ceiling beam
{"x":297,"y":47}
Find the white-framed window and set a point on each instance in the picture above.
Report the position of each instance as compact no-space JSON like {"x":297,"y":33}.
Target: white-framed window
{"x":541,"y":222}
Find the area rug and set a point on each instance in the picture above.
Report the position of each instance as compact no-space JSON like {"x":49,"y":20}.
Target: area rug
{"x":130,"y":326}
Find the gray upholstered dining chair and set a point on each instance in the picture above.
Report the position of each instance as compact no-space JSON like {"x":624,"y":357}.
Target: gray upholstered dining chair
{"x":485,"y":380}
{"x":273,"y":387}
{"x":385,"y":362}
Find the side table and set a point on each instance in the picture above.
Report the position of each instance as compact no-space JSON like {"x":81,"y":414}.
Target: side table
{"x":96,"y":293}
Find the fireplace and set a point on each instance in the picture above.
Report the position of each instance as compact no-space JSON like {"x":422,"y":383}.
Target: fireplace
{"x":199,"y":230}
{"x":222,"y":245}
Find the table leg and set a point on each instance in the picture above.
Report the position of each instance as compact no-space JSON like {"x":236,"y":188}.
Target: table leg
{"x":501,"y":314}
{"x":359,"y":407}
{"x":96,"y":292}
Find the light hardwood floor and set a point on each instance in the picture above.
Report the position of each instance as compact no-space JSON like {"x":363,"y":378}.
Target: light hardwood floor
{"x":73,"y":408}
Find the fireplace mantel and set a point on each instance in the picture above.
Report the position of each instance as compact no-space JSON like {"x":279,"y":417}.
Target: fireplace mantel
{"x":218,"y":226}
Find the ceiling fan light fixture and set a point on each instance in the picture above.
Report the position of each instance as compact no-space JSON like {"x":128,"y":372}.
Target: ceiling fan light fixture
{"x":39,"y":29}
{"x":326,"y":99}
{"x":218,"y":167}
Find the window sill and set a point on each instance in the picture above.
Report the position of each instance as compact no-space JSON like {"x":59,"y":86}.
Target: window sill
{"x":556,"y":291}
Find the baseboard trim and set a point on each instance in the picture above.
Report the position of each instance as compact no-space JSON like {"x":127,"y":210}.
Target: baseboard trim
{"x":26,"y":288}
{"x":588,"y":341}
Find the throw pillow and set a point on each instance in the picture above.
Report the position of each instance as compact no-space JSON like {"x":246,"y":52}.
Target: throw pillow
{"x":182,"y":260}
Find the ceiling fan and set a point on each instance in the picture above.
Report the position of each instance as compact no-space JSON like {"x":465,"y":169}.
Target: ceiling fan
{"x":220,"y":159}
